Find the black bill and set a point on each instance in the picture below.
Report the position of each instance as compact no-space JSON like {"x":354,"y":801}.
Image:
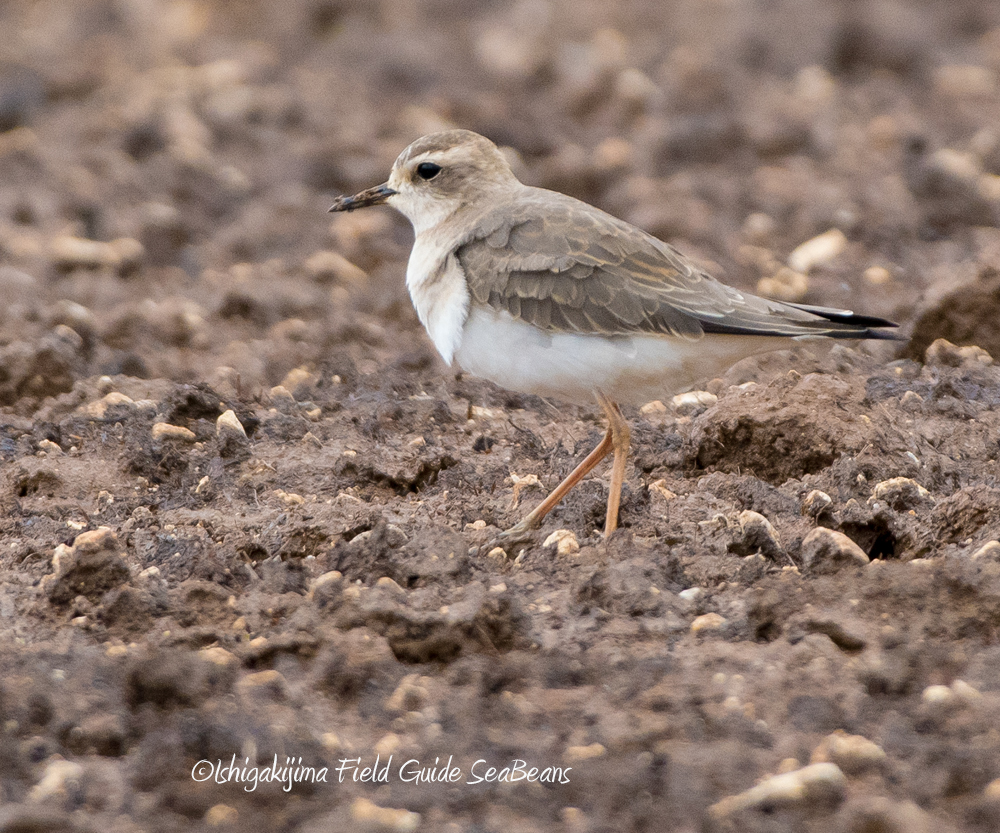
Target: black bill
{"x":371,"y":196}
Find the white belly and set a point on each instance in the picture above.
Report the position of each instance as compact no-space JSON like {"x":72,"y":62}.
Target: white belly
{"x":570,"y":366}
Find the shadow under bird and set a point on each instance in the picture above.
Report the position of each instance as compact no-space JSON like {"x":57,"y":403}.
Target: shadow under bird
{"x":544,"y":294}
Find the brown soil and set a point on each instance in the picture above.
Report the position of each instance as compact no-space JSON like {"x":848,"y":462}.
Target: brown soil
{"x":324,"y":588}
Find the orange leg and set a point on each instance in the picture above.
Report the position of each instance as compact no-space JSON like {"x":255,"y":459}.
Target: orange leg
{"x":621,"y":437}
{"x":616,"y":439}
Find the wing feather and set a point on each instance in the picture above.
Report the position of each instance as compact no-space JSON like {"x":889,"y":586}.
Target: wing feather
{"x":561,"y":264}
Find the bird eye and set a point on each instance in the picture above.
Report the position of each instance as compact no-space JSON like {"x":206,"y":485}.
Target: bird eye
{"x":428,"y":170}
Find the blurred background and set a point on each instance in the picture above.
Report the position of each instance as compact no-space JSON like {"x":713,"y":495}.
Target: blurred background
{"x":166,"y":165}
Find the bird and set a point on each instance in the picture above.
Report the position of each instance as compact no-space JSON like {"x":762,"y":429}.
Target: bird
{"x":544,"y":294}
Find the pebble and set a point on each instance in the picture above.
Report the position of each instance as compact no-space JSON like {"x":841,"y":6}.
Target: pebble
{"x":827,"y":551}
{"x":332,"y":267}
{"x":389,"y":584}
{"x":692,"y":594}
{"x":759,"y":534}
{"x":298,"y":376}
{"x":911,"y":400}
{"x":693,"y":402}
{"x":659,"y":488}
{"x":365,"y":812}
{"x":410,"y":695}
{"x":387,"y":744}
{"x":785,"y":285}
{"x":852,"y":753}
{"x":564,"y":541}
{"x":818,"y":251}
{"x":99,"y":408}
{"x":280,"y":395}
{"x":219,"y":656}
{"x":816,"y":503}
{"x":59,"y":777}
{"x":878,"y":275}
{"x":901,"y":493}
{"x":575,"y":754}
{"x":708,"y":622}
{"x":166,"y":431}
{"x":221,"y":815}
{"x":965,"y":81}
{"x":269,"y":683}
{"x":990,"y":551}
{"x":943,"y":352}
{"x":817,"y":784}
{"x":232,"y":436}
{"x":124,"y":255}
{"x":654,"y":407}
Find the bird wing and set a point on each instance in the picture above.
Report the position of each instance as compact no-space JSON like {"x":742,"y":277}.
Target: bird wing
{"x":563,"y":265}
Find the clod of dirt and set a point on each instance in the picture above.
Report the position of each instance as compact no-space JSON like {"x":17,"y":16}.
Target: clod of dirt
{"x":965,"y":314}
{"x":90,"y":567}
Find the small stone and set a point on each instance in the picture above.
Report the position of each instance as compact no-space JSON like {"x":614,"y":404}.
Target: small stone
{"x":989,"y":551}
{"x":816,"y":503}
{"x":708,"y":622}
{"x":852,"y":753}
{"x":818,"y":251}
{"x":164,"y":431}
{"x":654,"y":407}
{"x":387,"y":744}
{"x":827,"y":551}
{"x":938,"y":695}
{"x":575,"y":754}
{"x":478,"y":412}
{"x":759,"y":228}
{"x":221,"y":815}
{"x":564,"y":541}
{"x":878,"y":275}
{"x":965,"y":81}
{"x":269,"y":683}
{"x":98,"y":409}
{"x":410,"y":695}
{"x":692,"y":594}
{"x":219,"y":656}
{"x":658,"y":488}
{"x":943,"y":352}
{"x":911,"y":400}
{"x":290,"y":499}
{"x":759,"y":535}
{"x":785,"y":285}
{"x":59,"y":779}
{"x":332,"y":267}
{"x":280,"y":395}
{"x":992,"y":790}
{"x":476,"y":525}
{"x":387,"y":583}
{"x":298,"y":377}
{"x":693,"y":402}
{"x":367,"y":813}
{"x":822,"y":784}
{"x":901,"y":493}
{"x":231,"y":433}
{"x":50,"y":448}
{"x":965,"y":692}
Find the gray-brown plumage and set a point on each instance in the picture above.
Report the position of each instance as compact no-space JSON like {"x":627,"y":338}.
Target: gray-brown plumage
{"x":561,"y":264}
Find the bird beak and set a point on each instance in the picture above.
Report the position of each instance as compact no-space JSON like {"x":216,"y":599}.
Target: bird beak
{"x":371,"y":196}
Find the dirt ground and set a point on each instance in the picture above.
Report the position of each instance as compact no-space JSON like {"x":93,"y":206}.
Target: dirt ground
{"x":246,"y":513}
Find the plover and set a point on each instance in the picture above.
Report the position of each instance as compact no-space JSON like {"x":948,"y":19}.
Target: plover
{"x":544,"y":294}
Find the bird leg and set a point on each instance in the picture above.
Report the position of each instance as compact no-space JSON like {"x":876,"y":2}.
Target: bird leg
{"x":616,"y":439}
{"x":621,"y":436}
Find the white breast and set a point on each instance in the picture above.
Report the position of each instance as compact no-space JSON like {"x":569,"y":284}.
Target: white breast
{"x":439,"y":292}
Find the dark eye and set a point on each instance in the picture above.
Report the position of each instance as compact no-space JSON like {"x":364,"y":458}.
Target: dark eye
{"x":428,"y":170}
